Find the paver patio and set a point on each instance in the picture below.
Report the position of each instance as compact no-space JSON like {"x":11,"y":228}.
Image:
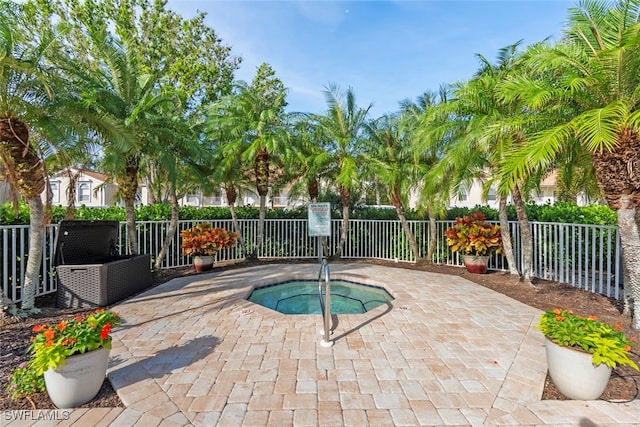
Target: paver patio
{"x":446,"y":351}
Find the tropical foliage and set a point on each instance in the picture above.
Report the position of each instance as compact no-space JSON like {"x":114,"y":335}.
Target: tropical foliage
{"x":203,"y":239}
{"x":472,"y":235}
{"x":144,"y":94}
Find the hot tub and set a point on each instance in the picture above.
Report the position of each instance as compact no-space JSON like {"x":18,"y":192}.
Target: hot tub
{"x":301,"y":297}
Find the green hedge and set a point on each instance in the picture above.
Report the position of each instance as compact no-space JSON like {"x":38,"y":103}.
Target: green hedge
{"x":560,"y":212}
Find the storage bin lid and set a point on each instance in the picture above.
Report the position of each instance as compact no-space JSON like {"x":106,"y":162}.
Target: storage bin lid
{"x":85,"y":241}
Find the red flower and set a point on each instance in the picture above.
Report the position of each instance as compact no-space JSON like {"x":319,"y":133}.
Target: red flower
{"x":105,"y":331}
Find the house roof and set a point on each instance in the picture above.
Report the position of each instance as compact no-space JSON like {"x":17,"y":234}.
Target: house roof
{"x":92,"y":174}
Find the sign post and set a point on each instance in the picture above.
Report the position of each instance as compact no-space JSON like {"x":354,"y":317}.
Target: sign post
{"x":320,"y":223}
{"x":320,"y":226}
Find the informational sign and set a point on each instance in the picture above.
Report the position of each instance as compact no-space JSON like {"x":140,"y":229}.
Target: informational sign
{"x":319,"y":219}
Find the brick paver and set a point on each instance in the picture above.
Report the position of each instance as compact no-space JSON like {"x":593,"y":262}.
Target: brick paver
{"x":444,"y":352}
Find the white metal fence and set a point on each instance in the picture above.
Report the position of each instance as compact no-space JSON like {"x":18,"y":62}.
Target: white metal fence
{"x":584,"y":256}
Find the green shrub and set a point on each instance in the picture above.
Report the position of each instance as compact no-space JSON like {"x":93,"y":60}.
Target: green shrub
{"x":560,"y":212}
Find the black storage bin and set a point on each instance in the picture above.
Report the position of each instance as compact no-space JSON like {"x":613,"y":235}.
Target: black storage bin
{"x":90,"y":273}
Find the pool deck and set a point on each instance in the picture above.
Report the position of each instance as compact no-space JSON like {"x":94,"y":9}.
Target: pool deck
{"x":444,"y":352}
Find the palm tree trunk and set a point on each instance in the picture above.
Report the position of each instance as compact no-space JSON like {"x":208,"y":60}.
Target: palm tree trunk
{"x":171,"y":232}
{"x":25,"y":172}
{"x":262,"y":185}
{"x":71,"y":193}
{"x":129,"y":187}
{"x":232,"y":195}
{"x":345,"y":195}
{"x":506,"y":237}
{"x":260,"y":234}
{"x":433,"y":236}
{"x":525,"y":235}
{"x":34,"y":259}
{"x":397,"y":202}
{"x":630,"y":240}
{"x":313,"y":190}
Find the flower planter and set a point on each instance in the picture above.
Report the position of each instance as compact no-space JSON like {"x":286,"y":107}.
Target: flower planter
{"x":203,"y":262}
{"x":78,"y":380}
{"x":573,"y":372}
{"x":475,"y":263}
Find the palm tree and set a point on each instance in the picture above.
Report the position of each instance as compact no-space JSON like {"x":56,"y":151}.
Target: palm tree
{"x":112,"y":87}
{"x":27,"y":87}
{"x":309,"y":163}
{"x":343,"y":127}
{"x":597,"y":66}
{"x":223,"y":167}
{"x":175,"y":165}
{"x":390,"y":157}
{"x":477,"y":139}
{"x":432,"y":198}
{"x":253,"y":117}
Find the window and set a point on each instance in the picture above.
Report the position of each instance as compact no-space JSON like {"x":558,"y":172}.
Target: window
{"x":277,"y":199}
{"x":213,"y":199}
{"x":491,"y":195}
{"x":84,"y":192}
{"x":54,"y":188}
{"x":192,"y":200}
{"x":462,"y":196}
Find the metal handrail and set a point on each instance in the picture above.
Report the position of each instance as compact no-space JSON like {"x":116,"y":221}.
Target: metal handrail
{"x":325,"y":301}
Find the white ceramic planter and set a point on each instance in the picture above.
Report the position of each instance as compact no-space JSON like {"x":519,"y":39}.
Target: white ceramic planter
{"x":78,"y":380}
{"x":203,"y":262}
{"x":476,"y":263}
{"x":573,"y":372}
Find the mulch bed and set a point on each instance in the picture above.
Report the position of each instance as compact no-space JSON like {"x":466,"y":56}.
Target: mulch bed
{"x":623,"y":386}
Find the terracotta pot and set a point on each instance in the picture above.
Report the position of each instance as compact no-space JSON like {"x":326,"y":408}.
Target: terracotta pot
{"x":573,"y":372}
{"x":203,"y":262}
{"x":78,"y":380}
{"x":476,"y":263}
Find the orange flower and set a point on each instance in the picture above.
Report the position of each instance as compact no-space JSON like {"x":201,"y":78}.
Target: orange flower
{"x":48,"y":343}
{"x":77,"y":318}
{"x":618,"y":326}
{"x":569,"y":311}
{"x":39,"y":328}
{"x":592,"y":317}
{"x":559,"y":318}
{"x":62,"y":325}
{"x":557,"y":311}
{"x":49,"y":334}
{"x":627,"y":348}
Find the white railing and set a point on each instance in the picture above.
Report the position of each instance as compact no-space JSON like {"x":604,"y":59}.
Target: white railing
{"x":584,"y":256}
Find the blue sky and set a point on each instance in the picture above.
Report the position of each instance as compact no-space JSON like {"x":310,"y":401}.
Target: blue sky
{"x":386,"y":51}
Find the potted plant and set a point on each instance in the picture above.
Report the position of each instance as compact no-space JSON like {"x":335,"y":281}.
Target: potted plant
{"x":68,"y":359}
{"x":203,"y":241}
{"x":476,"y":239}
{"x":582,"y":351}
